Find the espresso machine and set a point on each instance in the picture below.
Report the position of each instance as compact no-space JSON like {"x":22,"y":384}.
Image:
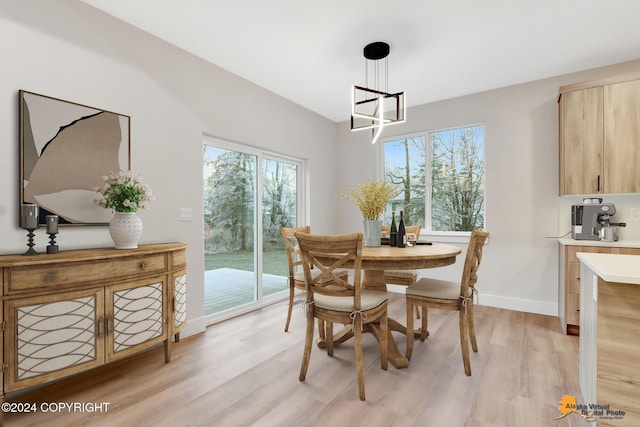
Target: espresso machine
{"x":591,"y":221}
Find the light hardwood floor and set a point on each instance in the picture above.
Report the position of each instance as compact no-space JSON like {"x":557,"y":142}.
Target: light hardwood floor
{"x":245,"y":372}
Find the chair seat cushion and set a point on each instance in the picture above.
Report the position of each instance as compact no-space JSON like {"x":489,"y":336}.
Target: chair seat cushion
{"x":435,"y":288}
{"x":299,"y":276}
{"x":368,"y":300}
{"x":402,"y":274}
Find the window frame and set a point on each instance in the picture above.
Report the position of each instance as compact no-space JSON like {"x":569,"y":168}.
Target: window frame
{"x":426,"y":232}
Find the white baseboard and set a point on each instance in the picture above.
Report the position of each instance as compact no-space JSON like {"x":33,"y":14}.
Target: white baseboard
{"x":509,"y":303}
{"x":519,"y":304}
{"x":193,"y":327}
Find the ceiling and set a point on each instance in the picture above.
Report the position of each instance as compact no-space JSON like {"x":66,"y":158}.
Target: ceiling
{"x":311,"y":52}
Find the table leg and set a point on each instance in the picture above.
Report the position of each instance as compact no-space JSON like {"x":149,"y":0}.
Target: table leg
{"x":395,"y":358}
{"x":344,"y":335}
{"x":373,"y":280}
{"x":394,"y":325}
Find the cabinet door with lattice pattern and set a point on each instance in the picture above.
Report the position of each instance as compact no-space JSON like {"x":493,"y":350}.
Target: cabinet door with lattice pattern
{"x":135,"y":316}
{"x":179,"y":302}
{"x":54,"y":336}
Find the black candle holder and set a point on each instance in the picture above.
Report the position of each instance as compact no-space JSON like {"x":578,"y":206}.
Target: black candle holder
{"x":52,"y":248}
{"x":30,"y":243}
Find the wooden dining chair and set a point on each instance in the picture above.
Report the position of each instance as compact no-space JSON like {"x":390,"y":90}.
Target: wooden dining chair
{"x":332,"y":299}
{"x":403,"y":277}
{"x":296,"y":275}
{"x":449,"y":295}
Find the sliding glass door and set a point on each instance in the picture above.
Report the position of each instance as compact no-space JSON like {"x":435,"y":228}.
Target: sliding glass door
{"x":279,"y":208}
{"x":248,"y":195}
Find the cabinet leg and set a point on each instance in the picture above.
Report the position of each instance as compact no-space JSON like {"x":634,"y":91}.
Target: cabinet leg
{"x":176,"y":337}
{"x":167,"y":350}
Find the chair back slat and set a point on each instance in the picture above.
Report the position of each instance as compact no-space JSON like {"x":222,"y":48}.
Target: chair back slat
{"x":291,"y":246}
{"x":472,"y":261}
{"x":328,"y":253}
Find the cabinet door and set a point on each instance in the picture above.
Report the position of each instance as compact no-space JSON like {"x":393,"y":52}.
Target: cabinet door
{"x":54,"y":336}
{"x":179,"y":302}
{"x":622,"y":137}
{"x":581,"y":141}
{"x":136,"y":316}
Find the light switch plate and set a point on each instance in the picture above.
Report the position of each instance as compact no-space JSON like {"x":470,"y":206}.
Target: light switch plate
{"x":185,"y":214}
{"x":635,"y":213}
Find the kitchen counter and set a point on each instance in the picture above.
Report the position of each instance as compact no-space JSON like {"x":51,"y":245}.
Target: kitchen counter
{"x":609,"y":317}
{"x":613,"y":267}
{"x":567,"y":241}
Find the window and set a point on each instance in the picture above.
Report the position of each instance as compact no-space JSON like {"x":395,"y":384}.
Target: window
{"x":442,"y":182}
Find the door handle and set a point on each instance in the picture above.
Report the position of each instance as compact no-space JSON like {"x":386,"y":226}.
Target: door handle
{"x":100,"y":327}
{"x":109,"y":321}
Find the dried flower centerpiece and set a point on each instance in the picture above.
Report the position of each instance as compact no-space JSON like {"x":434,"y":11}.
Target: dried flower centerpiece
{"x":372,"y":198}
{"x":125,"y":194}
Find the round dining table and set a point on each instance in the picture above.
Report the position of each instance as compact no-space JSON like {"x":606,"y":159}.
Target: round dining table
{"x":375,"y":260}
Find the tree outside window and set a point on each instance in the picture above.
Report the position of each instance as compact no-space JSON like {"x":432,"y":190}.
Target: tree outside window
{"x":452,"y":198}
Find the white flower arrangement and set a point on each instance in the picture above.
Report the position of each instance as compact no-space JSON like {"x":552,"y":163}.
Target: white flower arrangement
{"x":122,"y":192}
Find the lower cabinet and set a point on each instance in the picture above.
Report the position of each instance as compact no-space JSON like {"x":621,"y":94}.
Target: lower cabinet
{"x":53,"y":337}
{"x":134,"y":317}
{"x":179,"y":303}
{"x":60,"y":320}
{"x":569,"y":297}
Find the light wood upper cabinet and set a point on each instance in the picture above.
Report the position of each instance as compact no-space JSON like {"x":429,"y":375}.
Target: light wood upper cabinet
{"x":622,"y":137}
{"x":599,"y":137}
{"x":581,"y":147}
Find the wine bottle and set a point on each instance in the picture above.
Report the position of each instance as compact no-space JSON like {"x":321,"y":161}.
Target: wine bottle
{"x":402,"y":232}
{"x":393,"y":231}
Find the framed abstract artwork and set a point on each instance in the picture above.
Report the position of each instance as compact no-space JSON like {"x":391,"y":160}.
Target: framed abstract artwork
{"x":65,"y":149}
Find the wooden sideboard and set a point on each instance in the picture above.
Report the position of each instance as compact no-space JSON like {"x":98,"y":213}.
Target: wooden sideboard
{"x":69,"y":312}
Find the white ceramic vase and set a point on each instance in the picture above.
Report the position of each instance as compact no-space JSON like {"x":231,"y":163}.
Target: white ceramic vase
{"x":372,"y":232}
{"x":125,"y":229}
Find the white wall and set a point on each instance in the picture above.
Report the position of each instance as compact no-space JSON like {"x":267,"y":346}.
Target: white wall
{"x":523,"y":210}
{"x":71,"y":51}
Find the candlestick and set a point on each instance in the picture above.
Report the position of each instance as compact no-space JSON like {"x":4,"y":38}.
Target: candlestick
{"x":52,"y":248}
{"x":30,"y":243}
{"x":29,"y":217}
{"x":30,"y":223}
{"x":52,"y":224}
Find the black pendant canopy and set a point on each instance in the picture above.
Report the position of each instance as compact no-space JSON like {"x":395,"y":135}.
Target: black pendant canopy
{"x":376,"y":50}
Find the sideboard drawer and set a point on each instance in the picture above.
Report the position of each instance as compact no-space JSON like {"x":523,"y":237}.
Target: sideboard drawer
{"x":179,"y":259}
{"x":35,"y":277}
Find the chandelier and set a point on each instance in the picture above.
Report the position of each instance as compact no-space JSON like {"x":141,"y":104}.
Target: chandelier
{"x":374,"y":107}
